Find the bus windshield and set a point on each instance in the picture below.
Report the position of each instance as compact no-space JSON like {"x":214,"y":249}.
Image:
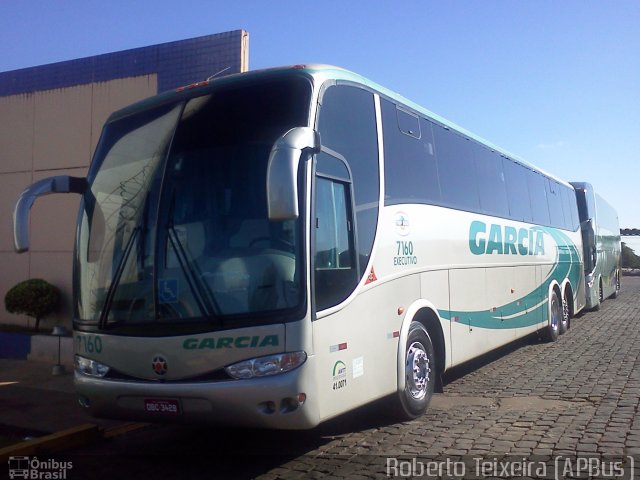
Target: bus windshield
{"x":175,"y":229}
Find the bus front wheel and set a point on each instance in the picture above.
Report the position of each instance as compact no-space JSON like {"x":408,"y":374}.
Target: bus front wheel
{"x":616,"y":292}
{"x":420,"y":373}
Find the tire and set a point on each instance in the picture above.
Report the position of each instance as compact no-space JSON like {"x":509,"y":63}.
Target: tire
{"x":420,"y":373}
{"x":596,"y":307}
{"x":552,"y":330}
{"x":600,"y":292}
{"x":617,"y":290}
{"x":565,"y":321}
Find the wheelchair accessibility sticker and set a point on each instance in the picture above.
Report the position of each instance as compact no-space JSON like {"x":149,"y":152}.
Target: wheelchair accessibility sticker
{"x":168,"y":290}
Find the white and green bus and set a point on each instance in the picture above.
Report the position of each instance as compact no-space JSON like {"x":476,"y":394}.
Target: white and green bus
{"x":278,"y":247}
{"x":601,"y":245}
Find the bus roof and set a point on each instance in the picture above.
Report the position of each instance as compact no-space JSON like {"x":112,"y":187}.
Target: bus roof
{"x":319,"y":73}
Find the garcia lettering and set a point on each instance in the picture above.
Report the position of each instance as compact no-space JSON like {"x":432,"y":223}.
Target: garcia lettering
{"x":504,"y":240}
{"x":231,"y":342}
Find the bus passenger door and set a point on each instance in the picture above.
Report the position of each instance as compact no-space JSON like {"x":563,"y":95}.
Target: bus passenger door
{"x":349,"y":342}
{"x":354,"y":356}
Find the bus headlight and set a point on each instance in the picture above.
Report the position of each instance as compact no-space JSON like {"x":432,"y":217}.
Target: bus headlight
{"x":265,"y":366}
{"x":86,"y":366}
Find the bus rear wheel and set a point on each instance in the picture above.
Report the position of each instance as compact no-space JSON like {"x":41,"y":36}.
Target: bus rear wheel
{"x":420,"y":373}
{"x":600,"y":292}
{"x":555,"y":317}
{"x":566,"y":315}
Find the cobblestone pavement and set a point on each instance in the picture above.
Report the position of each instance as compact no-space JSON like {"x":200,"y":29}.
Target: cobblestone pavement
{"x":534,"y":400}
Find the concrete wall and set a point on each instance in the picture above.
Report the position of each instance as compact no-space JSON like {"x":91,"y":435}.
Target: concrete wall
{"x":49,"y":133}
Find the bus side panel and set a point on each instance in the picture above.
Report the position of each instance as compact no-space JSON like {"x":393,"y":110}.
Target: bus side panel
{"x":491,"y":307}
{"x":468,"y":299}
{"x":356,"y":347}
{"x":435,"y":289}
{"x":608,"y":246}
{"x":528,"y":298}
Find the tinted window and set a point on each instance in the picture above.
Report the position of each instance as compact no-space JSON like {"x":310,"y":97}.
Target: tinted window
{"x":411,"y":173}
{"x":581,"y":199}
{"x":408,"y":123}
{"x":335,"y":274}
{"x":515,"y":176}
{"x":556,"y":209}
{"x":198,"y":246}
{"x":591,"y":202}
{"x":491,"y":185}
{"x":456,"y":170}
{"x":570,"y":208}
{"x":538,"y":196}
{"x":347,"y":125}
{"x":328,"y":165}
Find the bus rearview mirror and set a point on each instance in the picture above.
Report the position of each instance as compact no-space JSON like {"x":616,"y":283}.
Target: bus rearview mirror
{"x":58,"y":184}
{"x":282,"y":171}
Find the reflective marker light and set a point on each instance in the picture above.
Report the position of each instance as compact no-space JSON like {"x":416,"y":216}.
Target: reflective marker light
{"x":265,"y":366}
{"x":90,"y":367}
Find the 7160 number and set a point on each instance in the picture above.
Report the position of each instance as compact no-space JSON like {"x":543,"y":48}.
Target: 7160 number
{"x":89,"y":344}
{"x":404,"y":248}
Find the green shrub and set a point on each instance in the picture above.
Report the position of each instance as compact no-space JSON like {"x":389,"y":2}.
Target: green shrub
{"x":629,"y":259}
{"x":36,"y":298}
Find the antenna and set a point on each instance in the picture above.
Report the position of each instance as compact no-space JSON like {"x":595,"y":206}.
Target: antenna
{"x":216,"y":74}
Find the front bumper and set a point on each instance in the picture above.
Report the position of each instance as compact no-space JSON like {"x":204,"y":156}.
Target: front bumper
{"x":267,"y":402}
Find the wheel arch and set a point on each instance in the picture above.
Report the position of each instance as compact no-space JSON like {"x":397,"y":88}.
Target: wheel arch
{"x":426,"y":314}
{"x":554,"y":286}
{"x":568,"y":289}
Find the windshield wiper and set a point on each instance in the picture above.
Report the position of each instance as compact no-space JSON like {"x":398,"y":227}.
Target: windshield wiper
{"x":200,"y":291}
{"x":116,"y":277}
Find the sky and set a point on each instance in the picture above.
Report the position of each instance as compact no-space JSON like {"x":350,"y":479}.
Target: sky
{"x":556,"y":83}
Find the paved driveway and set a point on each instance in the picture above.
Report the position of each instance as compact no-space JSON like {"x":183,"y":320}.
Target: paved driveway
{"x":535,"y":401}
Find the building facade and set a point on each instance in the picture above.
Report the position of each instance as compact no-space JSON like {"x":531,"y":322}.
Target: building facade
{"x":51,"y":118}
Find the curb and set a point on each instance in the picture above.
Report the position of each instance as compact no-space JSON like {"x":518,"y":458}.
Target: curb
{"x":66,"y":439}
{"x":55,"y":442}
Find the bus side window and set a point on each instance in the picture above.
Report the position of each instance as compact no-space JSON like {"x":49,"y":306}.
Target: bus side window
{"x":517,"y":190}
{"x":556,"y":207}
{"x":411,"y":174}
{"x":335,"y":263}
{"x":347,"y":124}
{"x":456,"y":170}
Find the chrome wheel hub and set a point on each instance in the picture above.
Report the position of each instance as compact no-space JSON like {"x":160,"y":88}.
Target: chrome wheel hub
{"x":418,"y":370}
{"x":555,"y":313}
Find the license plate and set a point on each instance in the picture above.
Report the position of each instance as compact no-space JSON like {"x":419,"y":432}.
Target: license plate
{"x":162,"y":406}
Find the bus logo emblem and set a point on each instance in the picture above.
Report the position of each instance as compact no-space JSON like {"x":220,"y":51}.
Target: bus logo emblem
{"x":159,"y":365}
{"x":402,"y":224}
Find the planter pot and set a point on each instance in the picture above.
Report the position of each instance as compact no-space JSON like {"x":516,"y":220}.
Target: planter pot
{"x":15,"y":345}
